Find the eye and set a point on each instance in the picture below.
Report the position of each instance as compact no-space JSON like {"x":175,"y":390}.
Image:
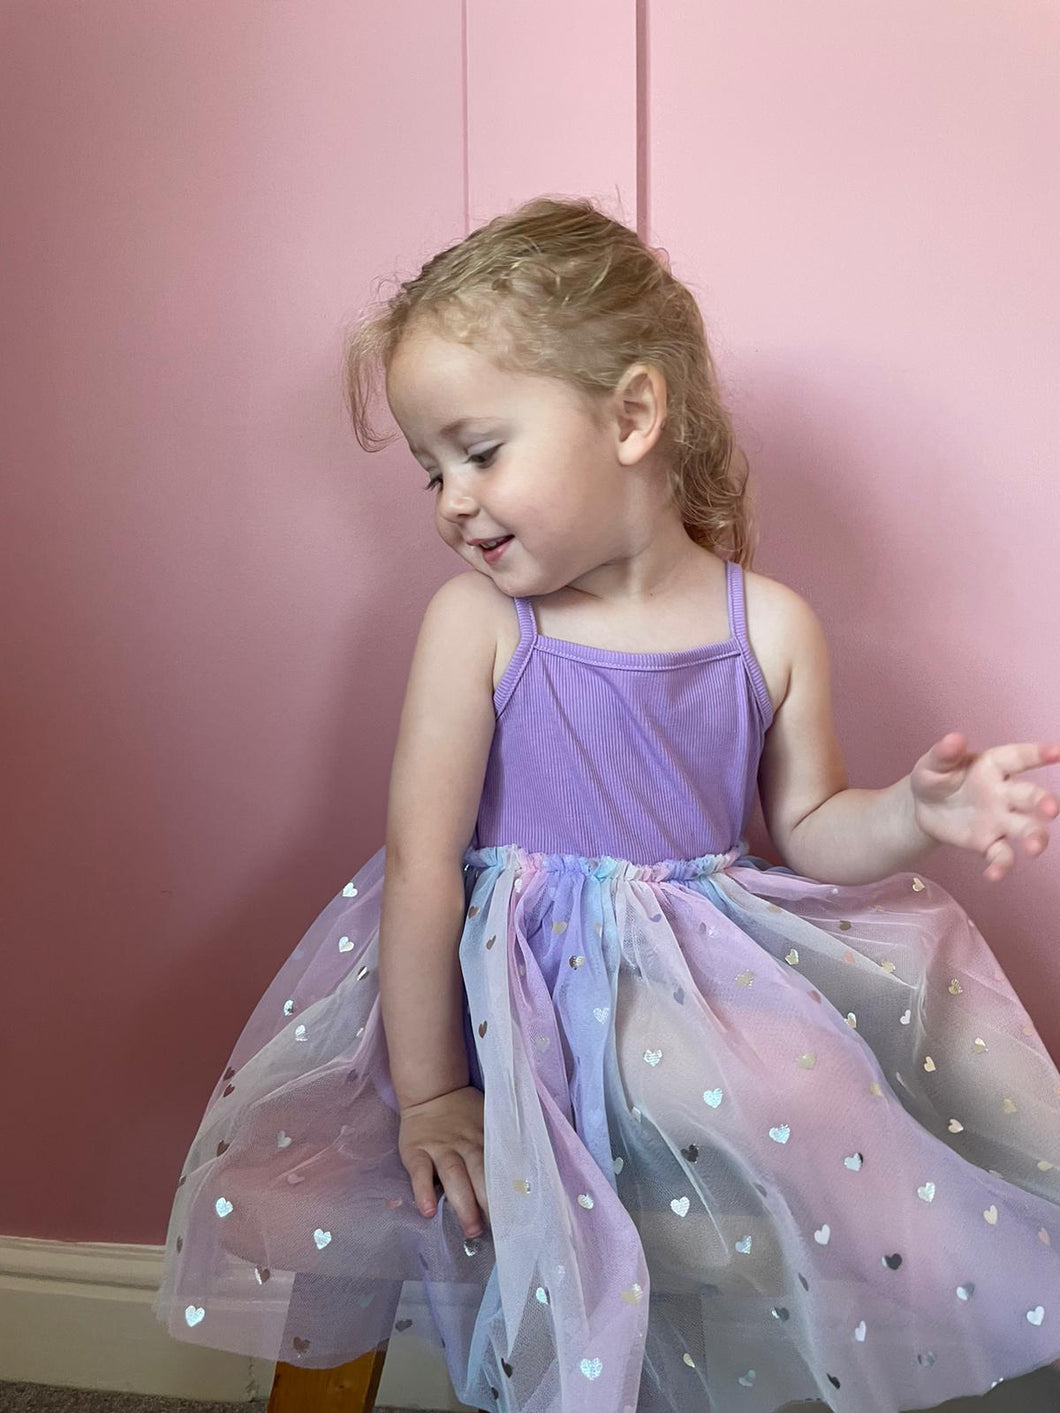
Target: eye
{"x":480,"y":458}
{"x":483,"y":458}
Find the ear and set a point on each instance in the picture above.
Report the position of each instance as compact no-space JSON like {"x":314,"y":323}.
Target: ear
{"x":639,"y":405}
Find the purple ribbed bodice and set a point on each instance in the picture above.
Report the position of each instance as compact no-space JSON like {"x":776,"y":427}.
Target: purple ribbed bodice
{"x":644,"y":756}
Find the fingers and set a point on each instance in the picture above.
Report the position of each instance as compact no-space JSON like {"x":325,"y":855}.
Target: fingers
{"x":1025,"y":755}
{"x":463,"y":1192}
{"x":476,"y":1168}
{"x":952,"y":743}
{"x":1028,"y":796}
{"x":421,"y":1174}
{"x":1029,"y":805}
{"x":999,"y":858}
{"x":947,"y":753}
{"x":459,"y":1192}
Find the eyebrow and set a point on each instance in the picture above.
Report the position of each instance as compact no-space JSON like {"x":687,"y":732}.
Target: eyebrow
{"x":451,"y":428}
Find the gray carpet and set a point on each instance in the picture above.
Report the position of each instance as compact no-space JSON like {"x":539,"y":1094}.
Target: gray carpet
{"x":1034,"y":1393}
{"x":48,"y":1398}
{"x":43,"y":1398}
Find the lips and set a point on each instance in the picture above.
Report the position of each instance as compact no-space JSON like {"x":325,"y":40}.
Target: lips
{"x":491,"y":556}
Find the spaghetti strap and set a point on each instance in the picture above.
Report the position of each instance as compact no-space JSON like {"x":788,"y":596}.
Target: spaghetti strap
{"x":520,"y":657}
{"x":738,"y":627}
{"x":525,"y":613}
{"x":737,"y":610}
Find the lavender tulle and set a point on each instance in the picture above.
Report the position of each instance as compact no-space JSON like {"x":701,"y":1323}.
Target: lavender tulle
{"x":750,"y":1139}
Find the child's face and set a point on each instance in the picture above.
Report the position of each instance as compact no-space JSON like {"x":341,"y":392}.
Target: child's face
{"x":544,"y":472}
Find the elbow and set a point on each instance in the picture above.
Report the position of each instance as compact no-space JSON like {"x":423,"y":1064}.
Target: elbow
{"x":422,"y":864}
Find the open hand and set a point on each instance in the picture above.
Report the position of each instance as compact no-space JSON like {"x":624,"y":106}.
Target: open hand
{"x":447,"y":1134}
{"x":968,"y":799}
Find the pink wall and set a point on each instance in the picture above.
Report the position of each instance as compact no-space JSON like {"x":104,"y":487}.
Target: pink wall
{"x":871,"y":226}
{"x":212,"y":593}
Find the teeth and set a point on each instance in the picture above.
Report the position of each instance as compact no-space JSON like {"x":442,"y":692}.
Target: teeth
{"x":489,"y":544}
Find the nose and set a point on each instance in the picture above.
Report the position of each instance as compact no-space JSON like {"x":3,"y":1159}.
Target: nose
{"x":455,"y":501}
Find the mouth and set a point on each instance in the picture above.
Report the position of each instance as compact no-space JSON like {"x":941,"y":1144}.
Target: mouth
{"x":493,"y":549}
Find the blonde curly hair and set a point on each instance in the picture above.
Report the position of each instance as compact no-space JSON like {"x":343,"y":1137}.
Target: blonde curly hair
{"x":558,"y":288}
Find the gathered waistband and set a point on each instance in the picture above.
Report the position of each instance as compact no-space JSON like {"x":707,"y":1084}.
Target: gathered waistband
{"x":512,"y":856}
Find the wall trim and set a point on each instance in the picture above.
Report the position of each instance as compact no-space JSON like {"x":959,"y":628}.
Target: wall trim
{"x":78,"y":1314}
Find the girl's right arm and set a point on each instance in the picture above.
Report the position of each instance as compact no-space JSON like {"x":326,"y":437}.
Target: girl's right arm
{"x":439,"y":766}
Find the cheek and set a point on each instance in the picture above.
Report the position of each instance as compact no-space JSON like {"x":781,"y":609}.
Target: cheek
{"x":448,"y":531}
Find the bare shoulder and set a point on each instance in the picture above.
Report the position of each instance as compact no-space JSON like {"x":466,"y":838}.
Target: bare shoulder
{"x":475,"y":596}
{"x":473,"y":602}
{"x":481,"y":617}
{"x":780,"y":623}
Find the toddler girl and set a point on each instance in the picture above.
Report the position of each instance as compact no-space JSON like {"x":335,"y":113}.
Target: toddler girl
{"x":660,"y":1127}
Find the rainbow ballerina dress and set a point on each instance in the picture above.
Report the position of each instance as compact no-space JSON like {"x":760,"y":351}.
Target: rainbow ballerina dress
{"x":750,"y":1138}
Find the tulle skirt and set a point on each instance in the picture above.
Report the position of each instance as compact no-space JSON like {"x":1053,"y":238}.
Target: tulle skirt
{"x":750,"y":1139}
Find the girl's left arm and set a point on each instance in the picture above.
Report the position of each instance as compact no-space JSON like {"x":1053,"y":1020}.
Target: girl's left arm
{"x":828,"y":831}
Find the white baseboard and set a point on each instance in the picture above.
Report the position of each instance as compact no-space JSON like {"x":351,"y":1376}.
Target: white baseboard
{"x":78,"y":1314}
